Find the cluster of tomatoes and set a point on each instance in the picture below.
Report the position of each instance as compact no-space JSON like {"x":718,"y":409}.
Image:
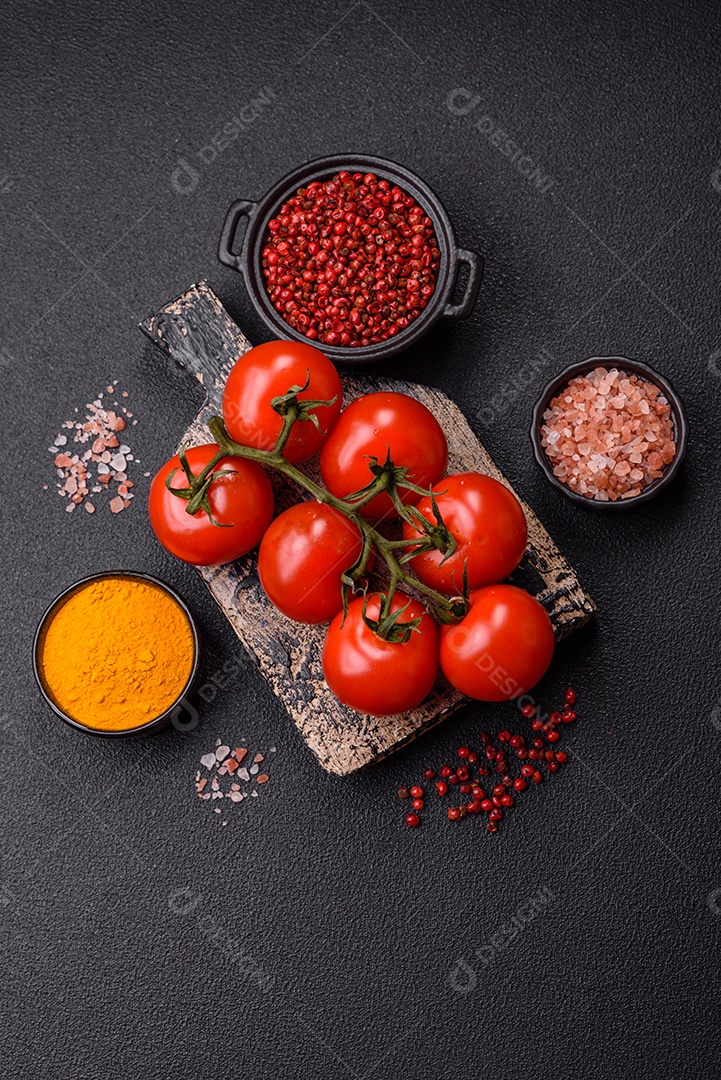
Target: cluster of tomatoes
{"x":383,"y":647}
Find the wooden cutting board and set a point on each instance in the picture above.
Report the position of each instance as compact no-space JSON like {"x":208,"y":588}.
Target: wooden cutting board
{"x":200,"y":335}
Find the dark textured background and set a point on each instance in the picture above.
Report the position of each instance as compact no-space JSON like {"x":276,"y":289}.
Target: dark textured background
{"x":359,"y":923}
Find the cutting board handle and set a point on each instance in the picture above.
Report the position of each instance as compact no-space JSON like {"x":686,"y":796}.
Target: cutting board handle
{"x":200,"y":335}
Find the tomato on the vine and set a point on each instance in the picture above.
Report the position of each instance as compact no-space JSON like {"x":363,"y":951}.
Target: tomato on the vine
{"x":269,"y":371}
{"x":502,"y":646}
{"x":240,"y":502}
{"x":488,"y":524}
{"x":375,"y":676}
{"x":376,"y":425}
{"x":302,"y":557}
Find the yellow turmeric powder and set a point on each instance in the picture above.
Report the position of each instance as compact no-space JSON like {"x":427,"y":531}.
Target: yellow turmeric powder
{"x":117,"y":653}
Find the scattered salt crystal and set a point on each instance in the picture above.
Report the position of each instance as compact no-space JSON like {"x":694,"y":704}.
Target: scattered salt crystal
{"x":208,"y":760}
{"x":253,"y":769}
{"x":243,"y":774}
{"x":222,"y":752}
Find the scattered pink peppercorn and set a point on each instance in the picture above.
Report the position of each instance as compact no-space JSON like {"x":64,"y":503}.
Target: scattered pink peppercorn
{"x":504,"y":789}
{"x":527,"y":711}
{"x":570,"y":698}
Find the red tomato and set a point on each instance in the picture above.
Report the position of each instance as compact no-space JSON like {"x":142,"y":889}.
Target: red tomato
{"x":243,"y":501}
{"x":301,"y":559}
{"x":375,"y":676}
{"x":269,"y":371}
{"x":489,"y":526}
{"x":502,"y":647}
{"x":372,"y":426}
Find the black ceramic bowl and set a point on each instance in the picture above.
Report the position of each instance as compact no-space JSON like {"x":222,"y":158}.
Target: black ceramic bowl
{"x":158,"y":722}
{"x":631,"y":367}
{"x":247,"y":260}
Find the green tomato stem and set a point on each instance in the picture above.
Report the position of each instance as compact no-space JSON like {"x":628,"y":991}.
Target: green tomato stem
{"x":446,"y":608}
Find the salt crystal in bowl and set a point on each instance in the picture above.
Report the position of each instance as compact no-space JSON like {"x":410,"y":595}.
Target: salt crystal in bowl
{"x":609,"y":433}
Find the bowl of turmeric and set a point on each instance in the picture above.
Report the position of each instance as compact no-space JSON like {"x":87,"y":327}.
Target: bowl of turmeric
{"x":116,"y":653}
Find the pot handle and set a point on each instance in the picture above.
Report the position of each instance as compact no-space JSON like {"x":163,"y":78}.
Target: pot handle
{"x":474,"y":262}
{"x":240,"y":208}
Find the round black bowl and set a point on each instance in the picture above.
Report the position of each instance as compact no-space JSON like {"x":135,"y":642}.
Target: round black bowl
{"x":158,"y":722}
{"x":247,"y":260}
{"x":631,"y":367}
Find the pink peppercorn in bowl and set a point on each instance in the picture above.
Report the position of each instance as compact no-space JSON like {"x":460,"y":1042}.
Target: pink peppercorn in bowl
{"x":442,"y":253}
{"x":638,"y":454}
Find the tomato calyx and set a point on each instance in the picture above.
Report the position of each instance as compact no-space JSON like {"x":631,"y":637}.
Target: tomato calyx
{"x":197,"y":494}
{"x":436,"y":536}
{"x":290,"y":405}
{"x":388,"y":626}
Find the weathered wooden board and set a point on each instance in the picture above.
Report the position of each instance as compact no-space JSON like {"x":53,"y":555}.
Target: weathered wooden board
{"x":198,"y":333}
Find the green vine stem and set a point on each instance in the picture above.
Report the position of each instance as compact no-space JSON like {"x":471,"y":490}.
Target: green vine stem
{"x":386,"y":478}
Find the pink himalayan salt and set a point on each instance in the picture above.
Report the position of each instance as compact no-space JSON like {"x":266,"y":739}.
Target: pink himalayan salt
{"x":609,"y":435}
